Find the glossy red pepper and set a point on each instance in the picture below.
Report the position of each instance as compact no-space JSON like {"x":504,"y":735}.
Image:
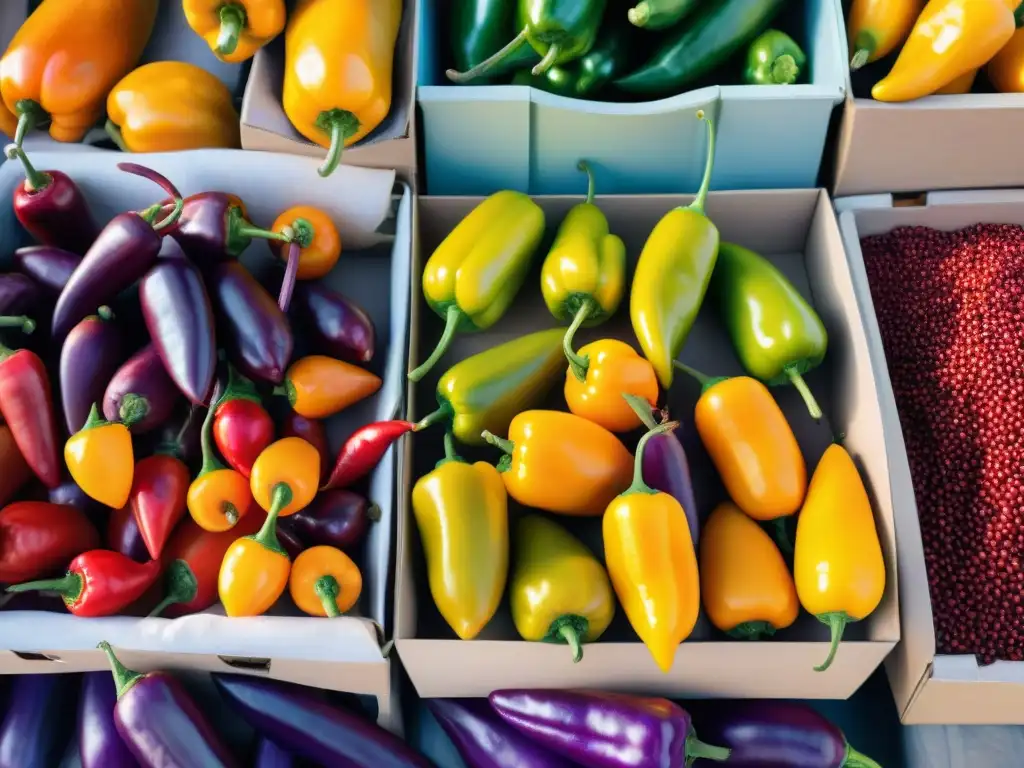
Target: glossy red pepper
{"x":242,"y":428}
{"x":363,"y":450}
{"x":158,"y":499}
{"x":99,"y":583}
{"x":27,"y":407}
{"x":37,"y":538}
{"x":313,"y":432}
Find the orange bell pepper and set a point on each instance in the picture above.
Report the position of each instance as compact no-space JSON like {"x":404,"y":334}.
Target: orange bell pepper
{"x":1006,"y":70}
{"x":66,"y":57}
{"x":651,"y":562}
{"x":318,"y":241}
{"x":339,"y":58}
{"x":235,"y":30}
{"x":744,"y":582}
{"x":218,"y":497}
{"x":562,"y":463}
{"x":612,"y":367}
{"x":286,"y":476}
{"x":318,"y":386}
{"x":837,"y":562}
{"x":169,"y":106}
{"x":325,"y":582}
{"x":101,"y":460}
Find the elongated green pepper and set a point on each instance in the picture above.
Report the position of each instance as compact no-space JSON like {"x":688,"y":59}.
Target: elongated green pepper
{"x":479,"y":28}
{"x":473,"y":276}
{"x":612,"y":56}
{"x":486,"y":391}
{"x":774,"y":58}
{"x":660,"y":14}
{"x":558,"y":80}
{"x":777,"y":335}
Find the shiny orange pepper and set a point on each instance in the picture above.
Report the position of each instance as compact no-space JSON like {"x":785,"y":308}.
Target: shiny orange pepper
{"x":562,"y":463}
{"x":8,"y":122}
{"x":101,"y":460}
{"x":235,"y":30}
{"x":63,"y":61}
{"x":318,"y":386}
{"x":1006,"y":70}
{"x":325,"y":582}
{"x":610,"y":368}
{"x":318,"y":241}
{"x":218,"y":497}
{"x":289,"y":464}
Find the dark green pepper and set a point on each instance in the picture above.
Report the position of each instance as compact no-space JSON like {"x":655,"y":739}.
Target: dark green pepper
{"x":777,"y":335}
{"x":480,"y":28}
{"x":611,"y":56}
{"x":557,"y":80}
{"x":660,"y":14}
{"x":718,"y":31}
{"x":559,"y":30}
{"x":774,"y":58}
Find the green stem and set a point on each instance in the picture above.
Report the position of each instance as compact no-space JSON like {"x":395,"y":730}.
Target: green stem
{"x":864,"y":46}
{"x":238,"y":388}
{"x":339,"y":124}
{"x":182,"y":586}
{"x":578,"y":363}
{"x":751,"y":630}
{"x":705,"y":184}
{"x":638,"y":485}
{"x":115,"y":135}
{"x":373,"y":510}
{"x":280,"y":497}
{"x":784,"y":70}
{"x":805,"y":392}
{"x":327,"y":590}
{"x":172,"y":217}
{"x":584,"y":166}
{"x":549,"y":60}
{"x":23,"y":323}
{"x":245,"y":230}
{"x":134,"y":408}
{"x":443,"y":413}
{"x":572,"y":639}
{"x":837,"y":623}
{"x":452,"y":318}
{"x":95,"y":419}
{"x":489,"y":63}
{"x":124,"y":678}
{"x":34,"y":180}
{"x":30,"y":116}
{"x":210,"y":461}
{"x":697,"y":749}
{"x":782,"y":537}
{"x":706,"y":382}
{"x":1018,"y":16}
{"x":69,"y":586}
{"x":450,"y":454}
{"x":302,"y":232}
{"x":640,"y":15}
{"x":232,"y":22}
{"x":505,"y":446}
{"x":855,"y":759}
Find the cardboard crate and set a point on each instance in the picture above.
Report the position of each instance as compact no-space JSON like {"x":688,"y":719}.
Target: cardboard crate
{"x":797,"y":230}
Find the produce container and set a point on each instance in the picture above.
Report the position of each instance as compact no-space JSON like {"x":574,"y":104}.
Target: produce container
{"x":928,"y":688}
{"x":374,"y":218}
{"x":797,"y":231}
{"x":479,"y":139}
{"x":266,"y":127}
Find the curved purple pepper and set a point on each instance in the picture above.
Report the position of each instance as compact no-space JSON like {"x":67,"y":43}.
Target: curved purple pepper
{"x":141,"y":393}
{"x":48,"y":266}
{"x":70,"y":494}
{"x":269,"y":755}
{"x":339,"y":328}
{"x":99,"y":743}
{"x":605,"y":730}
{"x":213,"y":228}
{"x":19,"y":294}
{"x":33,"y":733}
{"x":336,"y":518}
{"x":160,"y":723}
{"x":90,"y":355}
{"x":255,"y":332}
{"x":123,"y":535}
{"x":666,"y":469}
{"x":180,"y":321}
{"x":484,"y":740}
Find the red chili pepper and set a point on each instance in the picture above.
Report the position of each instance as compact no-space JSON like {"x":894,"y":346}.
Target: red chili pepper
{"x":99,"y":583}
{"x":242,"y":428}
{"x":158,"y":499}
{"x":14,"y":472}
{"x":37,"y":538}
{"x":363,"y":450}
{"x":313,"y":432}
{"x":27,"y":407}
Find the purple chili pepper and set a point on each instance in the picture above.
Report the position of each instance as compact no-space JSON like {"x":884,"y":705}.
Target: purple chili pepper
{"x":336,"y":518}
{"x":33,"y":732}
{"x":50,"y":267}
{"x":124,"y":536}
{"x":19,"y":294}
{"x":70,"y":494}
{"x":338,"y":327}
{"x":141,"y":393}
{"x":213,"y":228}
{"x":666,"y":469}
{"x":90,"y":355}
{"x":269,"y":755}
{"x":99,"y":743}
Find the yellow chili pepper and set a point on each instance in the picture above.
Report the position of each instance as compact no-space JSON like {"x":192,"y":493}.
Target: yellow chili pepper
{"x":962,"y":84}
{"x":877,"y":27}
{"x":461,"y":511}
{"x":325,"y":582}
{"x":1006,"y":70}
{"x":837,"y":563}
{"x":290,"y":462}
{"x":651,"y":562}
{"x":744,"y":582}
{"x":950,"y":38}
{"x":101,"y":461}
{"x":562,"y":463}
{"x":339,"y":57}
{"x":318,"y":386}
{"x":169,"y":106}
{"x":235,"y":30}
{"x":64,"y":60}
{"x":612,"y":367}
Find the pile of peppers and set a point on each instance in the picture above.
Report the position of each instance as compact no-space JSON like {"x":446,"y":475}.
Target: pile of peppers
{"x":748,"y":566}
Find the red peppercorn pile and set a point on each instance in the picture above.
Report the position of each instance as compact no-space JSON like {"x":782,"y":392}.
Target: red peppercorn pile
{"x":950,"y":308}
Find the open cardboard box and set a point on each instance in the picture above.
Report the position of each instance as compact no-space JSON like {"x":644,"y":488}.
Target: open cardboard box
{"x":928,"y":688}
{"x":374,"y":218}
{"x":266,"y":127}
{"x":797,"y":230}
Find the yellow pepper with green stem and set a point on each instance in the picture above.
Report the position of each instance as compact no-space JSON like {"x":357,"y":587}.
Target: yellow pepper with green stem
{"x":236,"y":29}
{"x":101,"y":460}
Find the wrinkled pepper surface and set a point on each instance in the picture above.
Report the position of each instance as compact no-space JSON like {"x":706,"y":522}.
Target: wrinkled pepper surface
{"x":875,"y":28}
{"x":101,"y":460}
{"x":774,"y":58}
{"x":476,"y":272}
{"x":235,"y":30}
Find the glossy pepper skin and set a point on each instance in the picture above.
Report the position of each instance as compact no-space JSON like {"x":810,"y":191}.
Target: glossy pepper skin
{"x":335,"y":101}
{"x":660,"y":14}
{"x":339,"y":327}
{"x":158,"y":499}
{"x":611,"y":57}
{"x":776,"y":333}
{"x":325,"y":582}
{"x":318,"y":386}
{"x":479,"y":29}
{"x":18,"y":294}
{"x":337,"y":518}
{"x":214,"y":227}
{"x":99,"y":743}
{"x":34,"y":730}
{"x":269,"y":755}
{"x":103,"y":39}
{"x":562,"y":463}
{"x":314,"y":230}
{"x":612,"y":368}
{"x":123,"y":535}
{"x":876,"y":28}
{"x":774,"y":58}
{"x":559,"y":591}
{"x":313,"y":432}
{"x":672,"y":276}
{"x":1006,"y":70}
{"x":242,"y":428}
{"x":745,"y":584}
{"x":605,"y":730}
{"x":14,"y":472}
{"x":949,"y":39}
{"x":89,"y":357}
{"x":37,"y":538}
{"x":49,"y":266}
{"x":141,"y":394}
{"x":666,"y":469}
{"x":101,"y":460}
{"x":560,"y":81}
{"x":461,"y":511}
{"x":363,"y":451}
{"x":235,"y":30}
{"x":837,"y":561}
{"x":218,"y":497}
{"x":487,"y":390}
{"x":474,"y":275}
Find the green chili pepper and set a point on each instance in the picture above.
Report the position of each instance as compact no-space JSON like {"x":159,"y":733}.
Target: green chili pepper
{"x":479,"y":29}
{"x":557,"y":80}
{"x":719,"y":30}
{"x":777,"y":335}
{"x":774,"y":58}
{"x":611,"y":56}
{"x":660,"y":14}
{"x":559,"y":30}
{"x":486,"y":391}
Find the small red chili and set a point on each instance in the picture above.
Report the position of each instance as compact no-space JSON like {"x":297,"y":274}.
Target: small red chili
{"x":242,"y":428}
{"x":363,"y":450}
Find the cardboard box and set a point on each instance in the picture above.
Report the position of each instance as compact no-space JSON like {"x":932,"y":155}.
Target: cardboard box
{"x":375,"y":226}
{"x":797,"y":230}
{"x":928,"y":688}
{"x":266,"y":127}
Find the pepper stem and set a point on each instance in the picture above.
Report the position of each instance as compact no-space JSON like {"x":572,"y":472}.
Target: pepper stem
{"x":245,"y":230}
{"x":210,"y":461}
{"x":452,"y":318}
{"x":30,"y":116}
{"x":579,"y":364}
{"x":327,"y":589}
{"x":505,"y":446}
{"x":115,"y":135}
{"x":697,"y":749}
{"x":450,"y":454}
{"x":238,"y":388}
{"x":837,"y":623}
{"x":549,"y":60}
{"x":491,"y":62}
{"x":782,"y":537}
{"x":751,"y":630}
{"x":280,"y":497}
{"x":432,"y":418}
{"x":855,"y":759}
{"x":232,"y":22}
{"x":640,"y":15}
{"x":124,"y":678}
{"x":584,"y":166}
{"x":706,"y":382}
{"x":705,"y":184}
{"x":69,"y":586}
{"x":34,"y":180}
{"x":291,"y":271}
{"x":805,"y":392}
{"x":23,"y":323}
{"x":784,"y":70}
{"x":95,"y":419}
{"x":182,"y":586}
{"x":134,"y":408}
{"x":864,"y":46}
{"x":230,"y":512}
{"x":638,"y":404}
{"x":572,"y":639}
{"x":339,"y":124}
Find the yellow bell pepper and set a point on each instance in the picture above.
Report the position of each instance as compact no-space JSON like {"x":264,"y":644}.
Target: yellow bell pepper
{"x":461,"y":511}
{"x":339,"y":58}
{"x":235,"y":30}
{"x":1006,"y":70}
{"x":877,"y":27}
{"x":837,"y":561}
{"x":101,"y":460}
{"x":169,"y":106}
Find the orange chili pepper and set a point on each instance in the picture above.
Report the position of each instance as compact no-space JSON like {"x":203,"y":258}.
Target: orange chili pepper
{"x":290,"y":462}
{"x":318,"y":386}
{"x":235,"y":29}
{"x":1006,"y":70}
{"x":610,"y":368}
{"x":317,"y":237}
{"x":219,"y":497}
{"x":101,"y":460}
{"x":325,"y":582}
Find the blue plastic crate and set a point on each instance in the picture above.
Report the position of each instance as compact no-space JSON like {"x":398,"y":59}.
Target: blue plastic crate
{"x":478,"y":139}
